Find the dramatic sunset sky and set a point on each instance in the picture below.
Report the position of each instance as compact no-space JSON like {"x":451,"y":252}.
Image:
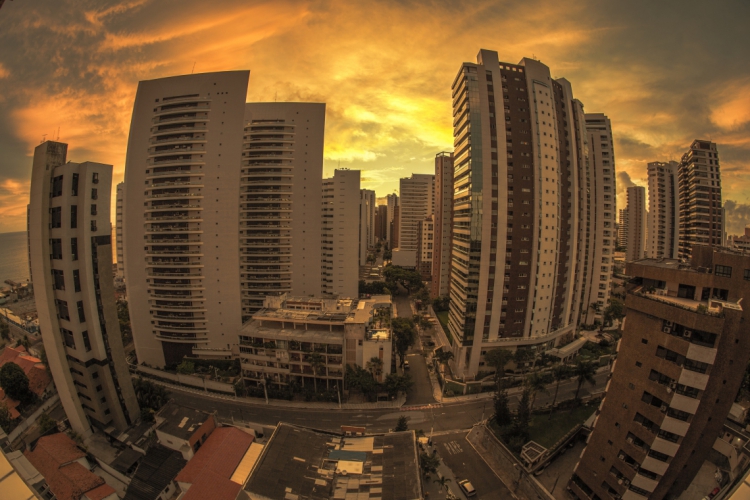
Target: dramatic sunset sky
{"x":665,"y":72}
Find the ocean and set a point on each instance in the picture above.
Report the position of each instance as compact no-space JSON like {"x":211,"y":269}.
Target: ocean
{"x":14,"y":260}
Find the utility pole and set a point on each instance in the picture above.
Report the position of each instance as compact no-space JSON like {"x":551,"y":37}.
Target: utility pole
{"x":265,"y":389}
{"x":338,"y":393}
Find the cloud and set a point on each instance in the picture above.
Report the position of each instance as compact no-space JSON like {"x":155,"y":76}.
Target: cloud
{"x":737,"y":216}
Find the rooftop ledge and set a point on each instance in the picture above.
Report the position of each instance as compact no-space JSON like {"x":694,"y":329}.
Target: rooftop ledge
{"x":711,"y":307}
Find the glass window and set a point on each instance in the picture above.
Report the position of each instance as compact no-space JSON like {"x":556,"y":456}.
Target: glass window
{"x":723,"y":271}
{"x":75,"y":185}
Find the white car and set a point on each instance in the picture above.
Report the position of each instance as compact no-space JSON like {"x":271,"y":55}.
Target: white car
{"x":467,"y":488}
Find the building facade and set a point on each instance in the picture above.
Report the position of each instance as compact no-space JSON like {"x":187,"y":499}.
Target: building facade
{"x":426,"y":248}
{"x":443,"y":215}
{"x":392,"y":203}
{"x":369,"y":208}
{"x":119,"y":214}
{"x":231,"y":191}
{"x":675,"y":378}
{"x":637,"y":223}
{"x":416,"y":201}
{"x":599,"y":228}
{"x":663,"y":211}
{"x":381,"y":223}
{"x":71,"y":256}
{"x":516,"y":212}
{"x":699,"y":185}
{"x":622,"y":229}
{"x":341,"y":249}
{"x":298,"y":339}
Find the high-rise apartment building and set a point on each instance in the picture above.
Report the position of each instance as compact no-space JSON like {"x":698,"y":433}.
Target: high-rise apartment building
{"x":622,"y":229}
{"x":598,"y":212}
{"x":368,"y":208}
{"x":28,"y":243}
{"x":226,"y":211}
{"x":343,"y":227}
{"x":392,"y":203}
{"x":394,"y":232}
{"x":699,"y":186}
{"x":119,"y":242}
{"x":416,"y":201}
{"x":381,"y":223}
{"x":443,"y":218}
{"x":663,"y":210}
{"x":426,"y":247}
{"x":637,"y":220}
{"x":675,"y":378}
{"x":71,"y":256}
{"x":518,"y":244}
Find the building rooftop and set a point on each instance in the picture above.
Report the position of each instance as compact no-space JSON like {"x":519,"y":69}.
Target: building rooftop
{"x":33,"y":367}
{"x":319,"y":310}
{"x":157,"y":469}
{"x":181,"y":421}
{"x":307,"y":464}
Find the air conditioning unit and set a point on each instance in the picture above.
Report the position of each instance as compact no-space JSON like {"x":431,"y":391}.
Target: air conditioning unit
{"x":663,"y":408}
{"x":630,"y":440}
{"x":687,"y":334}
{"x":673,"y":385}
{"x":619,"y":481}
{"x":626,"y":482}
{"x":666,"y":329}
{"x":621,"y":456}
{"x":669,"y":323}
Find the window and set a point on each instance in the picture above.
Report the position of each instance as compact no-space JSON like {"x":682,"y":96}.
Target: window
{"x":56,"y":217}
{"x":81,"y":313}
{"x":56,"y":248}
{"x":62,"y":309}
{"x":94,"y":194}
{"x":75,"y":185}
{"x":59,"y":279}
{"x":73,"y":248}
{"x":68,"y":338}
{"x":663,"y":457}
{"x":746,"y":275}
{"x":73,"y":216}
{"x":95,"y":178}
{"x":93,"y":225}
{"x":98,"y":388}
{"x":93,"y":209}
{"x":87,"y":343}
{"x":723,"y":271}
{"x":668,"y":436}
{"x":678,"y":414}
{"x":76,"y":280}
{"x":57,"y":186}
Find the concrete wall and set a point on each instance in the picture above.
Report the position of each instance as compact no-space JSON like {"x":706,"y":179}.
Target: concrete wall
{"x":190,"y":380}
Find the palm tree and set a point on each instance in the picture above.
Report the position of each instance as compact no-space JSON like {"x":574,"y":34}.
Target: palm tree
{"x":443,"y":482}
{"x":375,"y":366}
{"x":584,"y":371}
{"x":316,"y":360}
{"x":559,"y":373}
{"x":443,"y":357}
{"x":536,"y":383}
{"x":498,"y":359}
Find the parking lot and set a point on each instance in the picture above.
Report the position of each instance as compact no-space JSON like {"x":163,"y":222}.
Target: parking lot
{"x":465,"y":463}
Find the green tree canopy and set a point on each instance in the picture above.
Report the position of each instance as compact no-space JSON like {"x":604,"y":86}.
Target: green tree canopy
{"x":402,"y":425}
{"x":498,"y":358}
{"x":149,"y":394}
{"x":5,"y":420}
{"x":15,"y":383}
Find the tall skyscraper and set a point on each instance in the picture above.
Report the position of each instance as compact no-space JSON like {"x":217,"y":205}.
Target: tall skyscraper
{"x":599,"y":226}
{"x":426,"y":247}
{"x":637,"y":220}
{"x":343,"y":234}
{"x":381,"y":223}
{"x":701,"y":213}
{"x":416,"y":201}
{"x":515,"y":211}
{"x":392,"y":202}
{"x":71,"y":256}
{"x":229,"y":211}
{"x":443,"y":218}
{"x":119,"y":214}
{"x":28,"y":243}
{"x":675,"y":378}
{"x":368,"y":207}
{"x":663,"y":210}
{"x":622,"y":228}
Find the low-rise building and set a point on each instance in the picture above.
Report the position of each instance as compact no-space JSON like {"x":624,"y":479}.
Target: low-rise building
{"x":319,"y":465}
{"x":154,"y":478}
{"x":183,"y":429}
{"x":303,"y":338}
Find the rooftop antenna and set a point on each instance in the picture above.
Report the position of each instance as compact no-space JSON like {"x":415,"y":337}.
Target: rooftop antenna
{"x":58,"y":134}
{"x":275,"y":96}
{"x":192,"y":70}
{"x":44,"y":138}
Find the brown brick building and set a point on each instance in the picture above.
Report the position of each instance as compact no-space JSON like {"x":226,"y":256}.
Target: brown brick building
{"x":680,"y":364}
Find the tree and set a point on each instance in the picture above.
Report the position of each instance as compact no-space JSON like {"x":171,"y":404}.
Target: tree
{"x":522,"y":356}
{"x":46,"y":423}
{"x":443,"y":357}
{"x":4,"y":330}
{"x":43,"y":359}
{"x":498,"y":358}
{"x":357,"y":378}
{"x":150,"y":395}
{"x":503,"y":416}
{"x":402,"y":425}
{"x":316,"y":360}
{"x":443,"y":482}
{"x":15,"y":383}
{"x":147,"y":415}
{"x":186,"y":367}
{"x":423,"y":296}
{"x":26,"y":342}
{"x":441,"y":303}
{"x":395,"y":383}
{"x":615,"y":310}
{"x":559,"y":373}
{"x":375,"y":366}
{"x":522,"y":421}
{"x":404,"y":336}
{"x":429,"y":463}
{"x":423,"y":322}
{"x":584,"y":371}
{"x":123,"y":317}
{"x":536,"y":383}
{"x":5,"y":420}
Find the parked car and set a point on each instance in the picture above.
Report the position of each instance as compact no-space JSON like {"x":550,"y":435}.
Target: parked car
{"x":406,"y":365}
{"x":467,"y":488}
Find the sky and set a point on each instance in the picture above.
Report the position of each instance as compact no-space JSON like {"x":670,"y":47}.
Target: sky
{"x":665,"y":73}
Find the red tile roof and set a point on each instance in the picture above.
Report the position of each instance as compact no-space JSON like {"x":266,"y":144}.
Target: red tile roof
{"x":100,"y":492}
{"x":39,"y":379}
{"x":11,"y":404}
{"x":211,"y":485}
{"x":221,"y":453}
{"x":55,"y":458}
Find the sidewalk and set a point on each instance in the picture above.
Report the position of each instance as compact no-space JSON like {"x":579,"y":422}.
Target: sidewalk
{"x":280,"y":403}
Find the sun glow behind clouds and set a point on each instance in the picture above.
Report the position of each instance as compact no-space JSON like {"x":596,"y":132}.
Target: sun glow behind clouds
{"x":384,"y":71}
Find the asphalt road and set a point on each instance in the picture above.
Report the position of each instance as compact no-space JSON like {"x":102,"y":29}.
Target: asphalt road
{"x":466,"y":463}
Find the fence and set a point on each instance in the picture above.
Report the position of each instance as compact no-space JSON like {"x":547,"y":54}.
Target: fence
{"x":189,"y":380}
{"x":23,"y":426}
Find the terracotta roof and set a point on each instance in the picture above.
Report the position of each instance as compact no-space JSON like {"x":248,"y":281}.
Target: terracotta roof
{"x":211,"y":485}
{"x":100,"y":492}
{"x":55,"y":458}
{"x":10,"y":403}
{"x":220,"y":454}
{"x":33,"y":367}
